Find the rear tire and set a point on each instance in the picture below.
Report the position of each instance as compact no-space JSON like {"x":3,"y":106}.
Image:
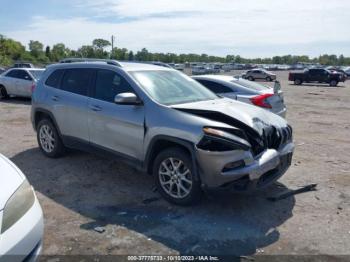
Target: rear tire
{"x":297,"y":82}
{"x":3,"y":93}
{"x":49,"y":140}
{"x":333,"y":83}
{"x":250,"y":78}
{"x":175,"y":177}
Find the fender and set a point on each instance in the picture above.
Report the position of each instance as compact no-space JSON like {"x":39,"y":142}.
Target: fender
{"x":41,"y":110}
{"x":190,"y":146}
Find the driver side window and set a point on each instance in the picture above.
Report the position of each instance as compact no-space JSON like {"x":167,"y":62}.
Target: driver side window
{"x":109,"y":84}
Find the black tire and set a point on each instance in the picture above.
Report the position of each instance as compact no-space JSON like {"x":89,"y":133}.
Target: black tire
{"x":250,"y":78}
{"x":57,"y":144}
{"x":333,"y":83}
{"x":3,"y":93}
{"x":298,"y":82}
{"x":194,"y":192}
{"x":268,"y":79}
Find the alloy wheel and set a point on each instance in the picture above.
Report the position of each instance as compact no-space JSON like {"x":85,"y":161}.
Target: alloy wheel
{"x":175,"y":178}
{"x":47,"y":139}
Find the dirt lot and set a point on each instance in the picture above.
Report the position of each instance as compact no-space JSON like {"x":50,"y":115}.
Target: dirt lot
{"x":82,"y":191}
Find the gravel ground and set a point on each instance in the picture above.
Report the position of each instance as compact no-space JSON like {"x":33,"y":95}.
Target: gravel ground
{"x":81,"y":191}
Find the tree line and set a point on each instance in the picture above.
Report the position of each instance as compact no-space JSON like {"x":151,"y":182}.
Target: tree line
{"x":37,"y":53}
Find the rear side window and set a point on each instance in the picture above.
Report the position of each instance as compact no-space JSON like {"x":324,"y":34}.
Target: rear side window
{"x":21,"y":74}
{"x":215,"y":87}
{"x":109,"y":84}
{"x":13,"y":73}
{"x":55,"y":78}
{"x":77,"y":81}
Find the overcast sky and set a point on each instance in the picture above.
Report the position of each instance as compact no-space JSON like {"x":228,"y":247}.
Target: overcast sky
{"x":250,"y":28}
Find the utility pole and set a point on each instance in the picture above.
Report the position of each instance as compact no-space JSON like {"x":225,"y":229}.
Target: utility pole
{"x":112,"y":38}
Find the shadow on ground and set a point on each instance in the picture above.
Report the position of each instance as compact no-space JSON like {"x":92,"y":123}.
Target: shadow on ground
{"x":111,"y":193}
{"x":17,"y":101}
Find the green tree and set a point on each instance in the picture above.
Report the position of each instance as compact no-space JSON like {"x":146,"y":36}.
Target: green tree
{"x":36,"y":48}
{"x":86,"y":51}
{"x":59,"y":51}
{"x":131,"y":56}
{"x":100,"y":43}
{"x":48,"y":52}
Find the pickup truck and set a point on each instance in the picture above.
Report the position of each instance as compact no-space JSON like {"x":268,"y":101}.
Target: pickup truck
{"x":318,"y":75}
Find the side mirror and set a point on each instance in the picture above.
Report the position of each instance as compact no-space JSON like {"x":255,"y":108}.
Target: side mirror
{"x":127,"y":99}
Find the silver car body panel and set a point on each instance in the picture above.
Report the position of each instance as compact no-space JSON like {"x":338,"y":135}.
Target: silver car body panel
{"x":131,"y":130}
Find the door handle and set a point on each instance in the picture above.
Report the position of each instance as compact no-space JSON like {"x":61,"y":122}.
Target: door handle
{"x":96,"y":108}
{"x":55,"y":98}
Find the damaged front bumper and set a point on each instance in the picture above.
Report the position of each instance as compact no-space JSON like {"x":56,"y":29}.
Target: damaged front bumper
{"x":252,"y":173}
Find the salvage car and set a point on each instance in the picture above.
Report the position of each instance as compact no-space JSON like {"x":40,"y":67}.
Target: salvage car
{"x":318,"y":75}
{"x":21,"y":217}
{"x":245,"y":91}
{"x":162,"y":122}
{"x":259,"y":73}
{"x":19,"y":82}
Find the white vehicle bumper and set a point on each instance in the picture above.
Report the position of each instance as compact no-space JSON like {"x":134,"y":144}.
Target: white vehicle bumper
{"x":24,"y":239}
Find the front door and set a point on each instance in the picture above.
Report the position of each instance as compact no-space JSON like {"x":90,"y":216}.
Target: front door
{"x":119,"y":128}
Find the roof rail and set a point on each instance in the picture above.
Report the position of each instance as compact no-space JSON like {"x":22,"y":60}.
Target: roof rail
{"x":77,"y":60}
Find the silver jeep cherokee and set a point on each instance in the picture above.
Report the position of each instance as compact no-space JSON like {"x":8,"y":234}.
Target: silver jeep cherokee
{"x":162,"y":122}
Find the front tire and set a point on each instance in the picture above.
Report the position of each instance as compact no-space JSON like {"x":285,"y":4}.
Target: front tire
{"x":3,"y":93}
{"x":268,"y":79}
{"x":49,"y":140}
{"x":175,"y":177}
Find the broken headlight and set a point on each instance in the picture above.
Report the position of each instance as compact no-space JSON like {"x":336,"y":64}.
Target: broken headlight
{"x":220,"y":140}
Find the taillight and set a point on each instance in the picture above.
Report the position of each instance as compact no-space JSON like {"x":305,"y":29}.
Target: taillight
{"x":261,"y":100}
{"x":32,"y":87}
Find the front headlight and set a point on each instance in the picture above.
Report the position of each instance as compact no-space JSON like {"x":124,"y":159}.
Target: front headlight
{"x":226,"y":136}
{"x":18,"y":204}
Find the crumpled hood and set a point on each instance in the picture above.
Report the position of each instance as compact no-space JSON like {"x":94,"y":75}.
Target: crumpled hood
{"x":249,"y":115}
{"x":10,"y":179}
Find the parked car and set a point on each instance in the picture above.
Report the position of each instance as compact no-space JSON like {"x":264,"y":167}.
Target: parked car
{"x":19,"y":82}
{"x":180,"y":67}
{"x":21,"y":217}
{"x":245,"y":91}
{"x":337,"y":70}
{"x":163,"y":123}
{"x":2,"y":70}
{"x":347,"y":71}
{"x":23,"y":65}
{"x":259,"y":73}
{"x":319,"y":75}
{"x":198,"y":70}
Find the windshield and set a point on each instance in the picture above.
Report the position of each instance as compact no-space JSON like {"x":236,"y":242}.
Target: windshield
{"x":36,"y":73}
{"x":250,"y":84}
{"x":172,"y":87}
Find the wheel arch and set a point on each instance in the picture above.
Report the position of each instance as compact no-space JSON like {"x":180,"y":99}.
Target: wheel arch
{"x":40,"y":114}
{"x":161,"y":142}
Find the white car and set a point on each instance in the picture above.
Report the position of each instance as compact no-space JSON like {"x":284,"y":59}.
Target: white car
{"x":19,"y":81}
{"x":21,"y":217}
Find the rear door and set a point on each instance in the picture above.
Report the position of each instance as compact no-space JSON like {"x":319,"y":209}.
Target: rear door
{"x":257,"y":74}
{"x":317,"y":75}
{"x":70,"y":100}
{"x":24,"y":84}
{"x":119,"y":128}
